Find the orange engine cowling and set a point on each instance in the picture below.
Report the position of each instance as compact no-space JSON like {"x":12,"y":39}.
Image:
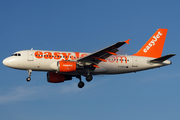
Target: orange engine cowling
{"x":54,"y":77}
{"x":68,"y":66}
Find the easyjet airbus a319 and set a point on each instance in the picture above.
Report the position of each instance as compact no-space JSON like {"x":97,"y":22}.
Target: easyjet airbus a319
{"x":62,"y":66}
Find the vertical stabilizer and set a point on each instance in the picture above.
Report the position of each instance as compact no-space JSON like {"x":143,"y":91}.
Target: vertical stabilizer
{"x":154,"y":46}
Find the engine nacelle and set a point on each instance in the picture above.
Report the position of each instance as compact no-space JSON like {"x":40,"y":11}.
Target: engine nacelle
{"x":54,"y":77}
{"x":66,"y":66}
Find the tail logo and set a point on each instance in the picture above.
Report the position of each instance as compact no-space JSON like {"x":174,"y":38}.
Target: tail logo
{"x":152,"y":42}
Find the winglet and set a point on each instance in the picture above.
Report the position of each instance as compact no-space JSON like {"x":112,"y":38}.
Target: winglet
{"x":127,"y":41}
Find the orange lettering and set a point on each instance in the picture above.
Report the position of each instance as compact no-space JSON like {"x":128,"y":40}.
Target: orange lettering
{"x":83,"y":55}
{"x":57,"y":55}
{"x":111,"y":59}
{"x":66,"y":57}
{"x":48,"y":55}
{"x":76,"y":56}
{"x":121,"y":58}
{"x":38,"y":54}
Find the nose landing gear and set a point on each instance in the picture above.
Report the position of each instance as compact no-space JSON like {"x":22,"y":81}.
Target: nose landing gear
{"x":29,"y":78}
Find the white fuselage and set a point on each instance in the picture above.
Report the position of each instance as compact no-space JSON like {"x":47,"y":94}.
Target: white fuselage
{"x":62,"y":66}
{"x":40,"y":60}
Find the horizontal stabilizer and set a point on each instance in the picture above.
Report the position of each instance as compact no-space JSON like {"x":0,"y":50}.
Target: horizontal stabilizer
{"x":161,"y":59}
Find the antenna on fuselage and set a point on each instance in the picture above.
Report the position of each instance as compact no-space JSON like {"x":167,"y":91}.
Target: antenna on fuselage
{"x":31,"y":48}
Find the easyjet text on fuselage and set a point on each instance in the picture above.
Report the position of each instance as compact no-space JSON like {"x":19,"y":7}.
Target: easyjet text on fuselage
{"x":73,"y":56}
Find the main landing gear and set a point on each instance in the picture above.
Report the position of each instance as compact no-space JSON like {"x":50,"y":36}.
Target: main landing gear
{"x":89,"y":78}
{"x":81,"y":84}
{"x":29,"y":78}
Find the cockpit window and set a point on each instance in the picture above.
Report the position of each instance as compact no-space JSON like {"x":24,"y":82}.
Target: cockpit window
{"x":16,"y":54}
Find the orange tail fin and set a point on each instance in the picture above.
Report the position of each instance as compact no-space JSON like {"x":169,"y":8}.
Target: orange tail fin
{"x":154,"y":46}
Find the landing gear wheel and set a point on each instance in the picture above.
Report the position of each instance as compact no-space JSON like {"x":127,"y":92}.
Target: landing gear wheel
{"x":29,"y":73}
{"x":81,"y":84}
{"x":28,"y":79}
{"x":89,"y":78}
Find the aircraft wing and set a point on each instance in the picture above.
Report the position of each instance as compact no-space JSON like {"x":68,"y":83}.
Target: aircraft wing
{"x":101,"y":55}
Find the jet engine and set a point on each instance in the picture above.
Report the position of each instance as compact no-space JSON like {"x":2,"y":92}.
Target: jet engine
{"x":54,"y":77}
{"x":66,"y":66}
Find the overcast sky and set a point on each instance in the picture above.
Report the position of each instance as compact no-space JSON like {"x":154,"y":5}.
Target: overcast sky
{"x":88,"y":26}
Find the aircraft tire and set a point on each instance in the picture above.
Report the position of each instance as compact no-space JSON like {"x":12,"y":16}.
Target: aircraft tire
{"x":28,"y":79}
{"x":81,"y":84}
{"x":89,"y":78}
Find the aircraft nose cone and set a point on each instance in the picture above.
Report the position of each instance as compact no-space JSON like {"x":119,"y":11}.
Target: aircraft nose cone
{"x":5,"y":62}
{"x":9,"y":62}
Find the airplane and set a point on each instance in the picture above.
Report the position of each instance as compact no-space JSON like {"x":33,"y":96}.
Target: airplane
{"x":63,"y":66}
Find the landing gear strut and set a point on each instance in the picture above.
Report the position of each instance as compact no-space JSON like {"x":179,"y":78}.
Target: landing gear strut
{"x":80,"y":84}
{"x":29,"y":78}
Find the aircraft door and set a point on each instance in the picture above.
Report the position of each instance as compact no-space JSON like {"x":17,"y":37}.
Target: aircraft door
{"x":134,"y":62}
{"x":30,"y":55}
